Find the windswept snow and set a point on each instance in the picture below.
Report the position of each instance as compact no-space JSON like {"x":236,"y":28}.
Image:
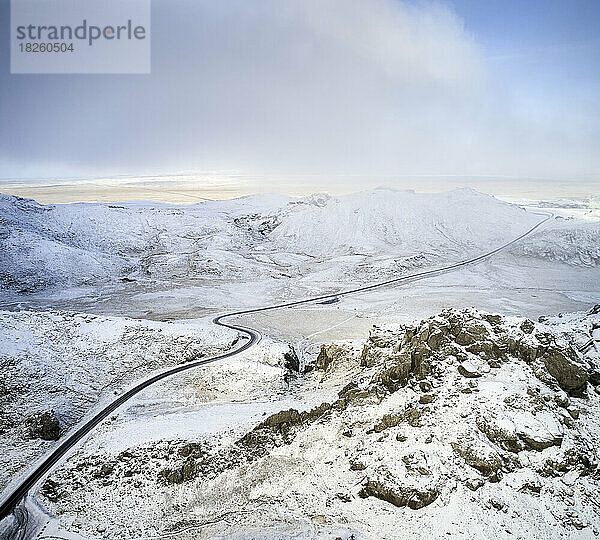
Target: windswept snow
{"x":505,"y":432}
{"x":258,"y":237}
{"x":575,"y":244}
{"x":399,"y":222}
{"x":68,"y":363}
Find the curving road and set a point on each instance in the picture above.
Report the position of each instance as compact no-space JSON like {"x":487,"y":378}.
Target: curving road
{"x":10,"y":503}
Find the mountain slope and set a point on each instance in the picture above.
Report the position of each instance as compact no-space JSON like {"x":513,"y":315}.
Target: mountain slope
{"x":256,"y":237}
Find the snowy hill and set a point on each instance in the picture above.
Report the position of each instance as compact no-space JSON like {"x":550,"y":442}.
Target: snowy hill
{"x":386,"y":220}
{"x":256,"y":237}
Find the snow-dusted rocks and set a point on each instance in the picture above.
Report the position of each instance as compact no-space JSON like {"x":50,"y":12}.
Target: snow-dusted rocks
{"x":57,"y":366}
{"x":44,"y":425}
{"x":407,"y":439}
{"x":468,"y":369}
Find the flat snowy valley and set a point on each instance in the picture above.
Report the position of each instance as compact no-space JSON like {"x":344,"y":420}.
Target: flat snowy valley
{"x":464,"y":403}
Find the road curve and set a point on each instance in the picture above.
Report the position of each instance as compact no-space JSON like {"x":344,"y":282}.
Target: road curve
{"x":19,"y":492}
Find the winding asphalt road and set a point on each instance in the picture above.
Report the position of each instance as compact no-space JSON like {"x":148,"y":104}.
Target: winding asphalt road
{"x":11,"y":502}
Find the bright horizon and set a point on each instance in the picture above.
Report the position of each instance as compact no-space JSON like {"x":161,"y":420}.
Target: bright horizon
{"x":194,"y":187}
{"x":331,"y":91}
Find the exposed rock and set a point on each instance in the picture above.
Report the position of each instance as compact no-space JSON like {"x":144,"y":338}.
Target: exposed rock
{"x":324,"y":359}
{"x":527,"y":326}
{"x":504,"y":435}
{"x":327,"y":355}
{"x":51,"y":490}
{"x":352,"y":394}
{"x":539,"y":432}
{"x":413,"y":480}
{"x":568,"y":460}
{"x":595,"y":310}
{"x":467,"y":369}
{"x":292,"y":363}
{"x":413,"y":416}
{"x":282,"y":420}
{"x":172,"y":476}
{"x":425,"y":386}
{"x":104,"y":471}
{"x":44,"y":425}
{"x":399,"y":495}
{"x":357,"y":466}
{"x":387,"y":421}
{"x":564,"y":365}
{"x":500,"y":430}
{"x":474,"y":483}
{"x":478,"y":455}
{"x":395,"y":373}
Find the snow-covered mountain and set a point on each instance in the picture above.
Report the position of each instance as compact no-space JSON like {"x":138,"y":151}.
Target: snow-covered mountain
{"x":390,"y":221}
{"x":247,"y":238}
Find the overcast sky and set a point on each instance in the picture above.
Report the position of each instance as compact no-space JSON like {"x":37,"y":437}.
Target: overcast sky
{"x":367,"y":87}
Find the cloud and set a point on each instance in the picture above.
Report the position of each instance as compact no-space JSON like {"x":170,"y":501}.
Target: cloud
{"x":316,"y":86}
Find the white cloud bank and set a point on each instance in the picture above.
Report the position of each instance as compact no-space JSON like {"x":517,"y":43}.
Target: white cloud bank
{"x":317,"y":86}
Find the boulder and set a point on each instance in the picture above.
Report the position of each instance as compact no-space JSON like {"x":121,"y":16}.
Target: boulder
{"x":570,"y":373}
{"x":479,"y":455}
{"x":324,"y":359}
{"x":386,"y":422}
{"x":468,"y":369}
{"x":399,"y":495}
{"x":500,"y":430}
{"x":538,"y":432}
{"x":396,"y":371}
{"x":44,"y":425}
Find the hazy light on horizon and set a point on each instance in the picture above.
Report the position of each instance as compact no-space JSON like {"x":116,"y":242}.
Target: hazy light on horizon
{"x":313,"y":87}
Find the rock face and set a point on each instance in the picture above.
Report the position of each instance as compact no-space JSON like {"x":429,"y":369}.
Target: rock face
{"x":292,"y":362}
{"x":44,"y":425}
{"x":465,"y":408}
{"x":568,"y":370}
{"x":327,"y":355}
{"x":324,"y":359}
{"x":480,"y":342}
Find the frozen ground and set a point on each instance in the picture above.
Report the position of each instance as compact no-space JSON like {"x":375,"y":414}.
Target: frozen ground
{"x":287,"y":246}
{"x":164,"y":261}
{"x":168,"y":268}
{"x":466,"y":424}
{"x":69,"y":363}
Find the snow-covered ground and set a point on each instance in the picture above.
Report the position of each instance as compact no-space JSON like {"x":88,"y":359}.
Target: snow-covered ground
{"x":67,"y":364}
{"x":149,"y":276}
{"x":365,"y":235}
{"x":466,"y":424}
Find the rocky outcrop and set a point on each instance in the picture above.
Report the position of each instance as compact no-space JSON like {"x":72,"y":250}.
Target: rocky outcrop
{"x":292,"y":362}
{"x":462,"y":408}
{"x":570,"y":372}
{"x":478,"y":454}
{"x":413,"y":480}
{"x":399,"y":495}
{"x":44,"y":425}
{"x":327,"y":355}
{"x":324,"y":359}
